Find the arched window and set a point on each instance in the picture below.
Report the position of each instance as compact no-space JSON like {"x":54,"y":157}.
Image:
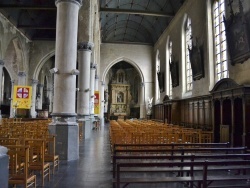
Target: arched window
{"x":157,"y":70}
{"x":188,"y":40}
{"x":221,"y":67}
{"x":169,"y":61}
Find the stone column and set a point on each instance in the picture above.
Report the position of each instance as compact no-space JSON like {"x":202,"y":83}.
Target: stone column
{"x":64,"y":117}
{"x":96,"y":82}
{"x":40,"y":97}
{"x":102,"y":102}
{"x":92,"y":87}
{"x":12,"y":82}
{"x":21,"y":78}
{"x":83,"y":100}
{"x":1,"y":78}
{"x":33,"y":112}
{"x":97,"y":89}
{"x":49,"y":95}
{"x":142,"y":101}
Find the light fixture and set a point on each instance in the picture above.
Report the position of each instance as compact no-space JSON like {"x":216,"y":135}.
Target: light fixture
{"x":86,"y":90}
{"x":75,"y":72}
{"x":53,"y":71}
{"x":77,"y":89}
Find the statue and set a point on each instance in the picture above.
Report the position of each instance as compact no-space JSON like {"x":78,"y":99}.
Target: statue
{"x":150,"y":105}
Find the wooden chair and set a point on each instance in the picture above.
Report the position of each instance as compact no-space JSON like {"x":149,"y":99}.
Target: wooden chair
{"x":50,"y":152}
{"x":37,"y":148}
{"x":18,"y":166}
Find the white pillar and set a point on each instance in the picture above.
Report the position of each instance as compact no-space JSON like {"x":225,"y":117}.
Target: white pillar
{"x":11,"y":102}
{"x":21,"y":78}
{"x":97,"y":89}
{"x":96,"y":82}
{"x":102,"y":102}
{"x":64,"y":117}
{"x":84,"y":56}
{"x":142,"y":101}
{"x":40,"y":98}
{"x":49,"y":95}
{"x":92,"y":87}
{"x":33,"y":112}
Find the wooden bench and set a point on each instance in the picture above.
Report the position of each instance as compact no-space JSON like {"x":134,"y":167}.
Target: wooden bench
{"x":203,"y":180}
{"x":119,"y":147}
{"x":181,"y":151}
{"x":180,"y":158}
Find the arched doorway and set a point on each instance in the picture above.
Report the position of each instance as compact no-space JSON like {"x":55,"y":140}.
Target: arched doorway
{"x":123,"y":85}
{"x":6,"y":94}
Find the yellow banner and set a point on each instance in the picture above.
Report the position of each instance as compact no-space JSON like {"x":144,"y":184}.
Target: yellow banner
{"x":22,"y":97}
{"x":97,"y":102}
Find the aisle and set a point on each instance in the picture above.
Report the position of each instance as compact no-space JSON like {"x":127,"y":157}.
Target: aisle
{"x":92,"y":170}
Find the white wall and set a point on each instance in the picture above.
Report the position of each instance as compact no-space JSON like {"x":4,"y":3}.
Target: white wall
{"x":140,"y":56}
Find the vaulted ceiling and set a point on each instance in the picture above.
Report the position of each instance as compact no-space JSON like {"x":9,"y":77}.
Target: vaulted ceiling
{"x":137,"y":21}
{"x":122,"y":21}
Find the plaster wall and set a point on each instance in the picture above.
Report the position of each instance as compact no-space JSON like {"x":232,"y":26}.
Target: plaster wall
{"x":140,"y":56}
{"x":41,"y":51}
{"x":14,"y":49}
{"x":196,"y":11}
{"x":240,"y":72}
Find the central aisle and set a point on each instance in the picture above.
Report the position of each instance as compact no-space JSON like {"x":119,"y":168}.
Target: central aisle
{"x":92,"y":170}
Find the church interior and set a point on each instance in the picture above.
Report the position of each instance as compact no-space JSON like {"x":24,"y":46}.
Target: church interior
{"x":86,"y":82}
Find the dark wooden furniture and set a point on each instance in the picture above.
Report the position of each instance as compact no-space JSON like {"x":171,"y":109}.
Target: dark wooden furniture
{"x":198,"y":180}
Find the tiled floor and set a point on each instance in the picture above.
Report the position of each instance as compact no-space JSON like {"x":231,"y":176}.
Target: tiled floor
{"x":92,"y":170}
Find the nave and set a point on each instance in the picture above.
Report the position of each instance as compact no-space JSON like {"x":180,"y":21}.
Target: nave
{"x":91,"y":170}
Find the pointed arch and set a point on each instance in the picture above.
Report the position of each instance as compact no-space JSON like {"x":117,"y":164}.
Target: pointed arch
{"x":105,"y":72}
{"x":41,"y":63}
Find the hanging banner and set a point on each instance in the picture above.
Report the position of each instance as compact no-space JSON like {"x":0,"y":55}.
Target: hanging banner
{"x":22,"y":97}
{"x":97,"y":102}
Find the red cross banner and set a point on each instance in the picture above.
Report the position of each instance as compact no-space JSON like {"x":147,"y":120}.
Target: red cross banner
{"x":22,"y":97}
{"x":96,"y":102}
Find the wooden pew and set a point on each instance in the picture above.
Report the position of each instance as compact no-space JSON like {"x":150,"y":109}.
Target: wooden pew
{"x":167,"y":158}
{"x":181,"y":151}
{"x":203,"y":180}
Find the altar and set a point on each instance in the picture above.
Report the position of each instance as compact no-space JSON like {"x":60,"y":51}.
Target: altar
{"x":120,"y":95}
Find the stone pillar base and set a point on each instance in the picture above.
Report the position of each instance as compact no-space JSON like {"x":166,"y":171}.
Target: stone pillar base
{"x":67,"y":139}
{"x":86,"y":126}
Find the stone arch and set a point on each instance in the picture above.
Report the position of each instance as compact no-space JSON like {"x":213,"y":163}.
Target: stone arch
{"x":138,"y":69}
{"x":41,"y":63}
{"x":14,"y":58}
{"x":122,"y":59}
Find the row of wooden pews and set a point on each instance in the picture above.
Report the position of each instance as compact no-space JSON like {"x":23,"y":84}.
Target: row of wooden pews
{"x":30,"y":148}
{"x":150,"y":159}
{"x":150,"y":132}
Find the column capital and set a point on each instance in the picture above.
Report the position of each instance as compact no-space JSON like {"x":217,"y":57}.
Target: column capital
{"x":93,"y":65}
{"x":34,"y":81}
{"x":103,"y":83}
{"x":142,"y":84}
{"x":96,"y":77}
{"x":78,"y":2}
{"x":85,"y":46}
{"x":40,"y":85}
{"x":1,"y":62}
{"x":21,"y":74}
